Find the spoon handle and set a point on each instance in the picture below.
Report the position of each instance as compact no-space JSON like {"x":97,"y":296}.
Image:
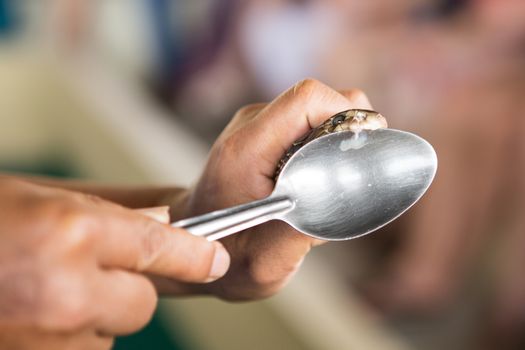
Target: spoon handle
{"x":224,"y":222}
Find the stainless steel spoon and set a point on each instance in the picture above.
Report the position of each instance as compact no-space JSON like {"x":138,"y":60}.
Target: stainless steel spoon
{"x":337,"y":187}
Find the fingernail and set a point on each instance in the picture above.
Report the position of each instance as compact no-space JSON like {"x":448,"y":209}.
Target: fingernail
{"x":221,"y":262}
{"x":160,"y":214}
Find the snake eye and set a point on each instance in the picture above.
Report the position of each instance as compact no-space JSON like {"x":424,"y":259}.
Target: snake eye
{"x":338,"y":119}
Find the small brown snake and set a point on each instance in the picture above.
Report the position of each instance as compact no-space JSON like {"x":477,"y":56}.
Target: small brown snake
{"x":354,"y":120}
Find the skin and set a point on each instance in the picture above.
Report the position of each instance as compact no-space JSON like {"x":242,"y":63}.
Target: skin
{"x":77,"y":267}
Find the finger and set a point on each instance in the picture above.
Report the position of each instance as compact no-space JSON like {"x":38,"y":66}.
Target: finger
{"x":357,"y":97}
{"x":132,"y":241}
{"x":126,"y":302}
{"x":160,"y":214}
{"x":291,"y":115}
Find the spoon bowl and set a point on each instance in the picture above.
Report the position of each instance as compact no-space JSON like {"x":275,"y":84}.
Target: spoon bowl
{"x":339,"y":186}
{"x":346,"y":185}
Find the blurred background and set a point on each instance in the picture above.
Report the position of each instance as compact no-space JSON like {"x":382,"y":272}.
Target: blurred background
{"x":135,"y":91}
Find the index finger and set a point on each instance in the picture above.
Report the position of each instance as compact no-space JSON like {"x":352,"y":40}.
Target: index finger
{"x":299,"y":109}
{"x":134,"y":242}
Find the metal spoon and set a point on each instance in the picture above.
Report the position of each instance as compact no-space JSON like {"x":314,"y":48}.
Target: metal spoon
{"x":337,"y":187}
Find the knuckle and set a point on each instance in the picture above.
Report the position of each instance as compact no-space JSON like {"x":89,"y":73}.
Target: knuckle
{"x":72,"y":224}
{"x":306,"y":88}
{"x":355,"y":95}
{"x":248,"y":110}
{"x":229,"y":144}
{"x":228,"y":150}
{"x":76,"y":233}
{"x":62,"y":227}
{"x":242,"y":117}
{"x":152,"y":245}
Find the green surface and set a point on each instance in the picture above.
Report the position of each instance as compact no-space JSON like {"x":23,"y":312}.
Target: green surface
{"x":52,"y":167}
{"x":154,"y":336}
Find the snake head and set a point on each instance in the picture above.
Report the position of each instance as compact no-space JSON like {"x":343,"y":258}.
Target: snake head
{"x":356,"y":120}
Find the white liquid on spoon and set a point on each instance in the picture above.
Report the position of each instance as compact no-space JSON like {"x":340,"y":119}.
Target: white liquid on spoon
{"x":357,"y":141}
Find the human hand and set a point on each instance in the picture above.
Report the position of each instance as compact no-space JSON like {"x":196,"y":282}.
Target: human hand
{"x":240,"y":169}
{"x":72,"y":265}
